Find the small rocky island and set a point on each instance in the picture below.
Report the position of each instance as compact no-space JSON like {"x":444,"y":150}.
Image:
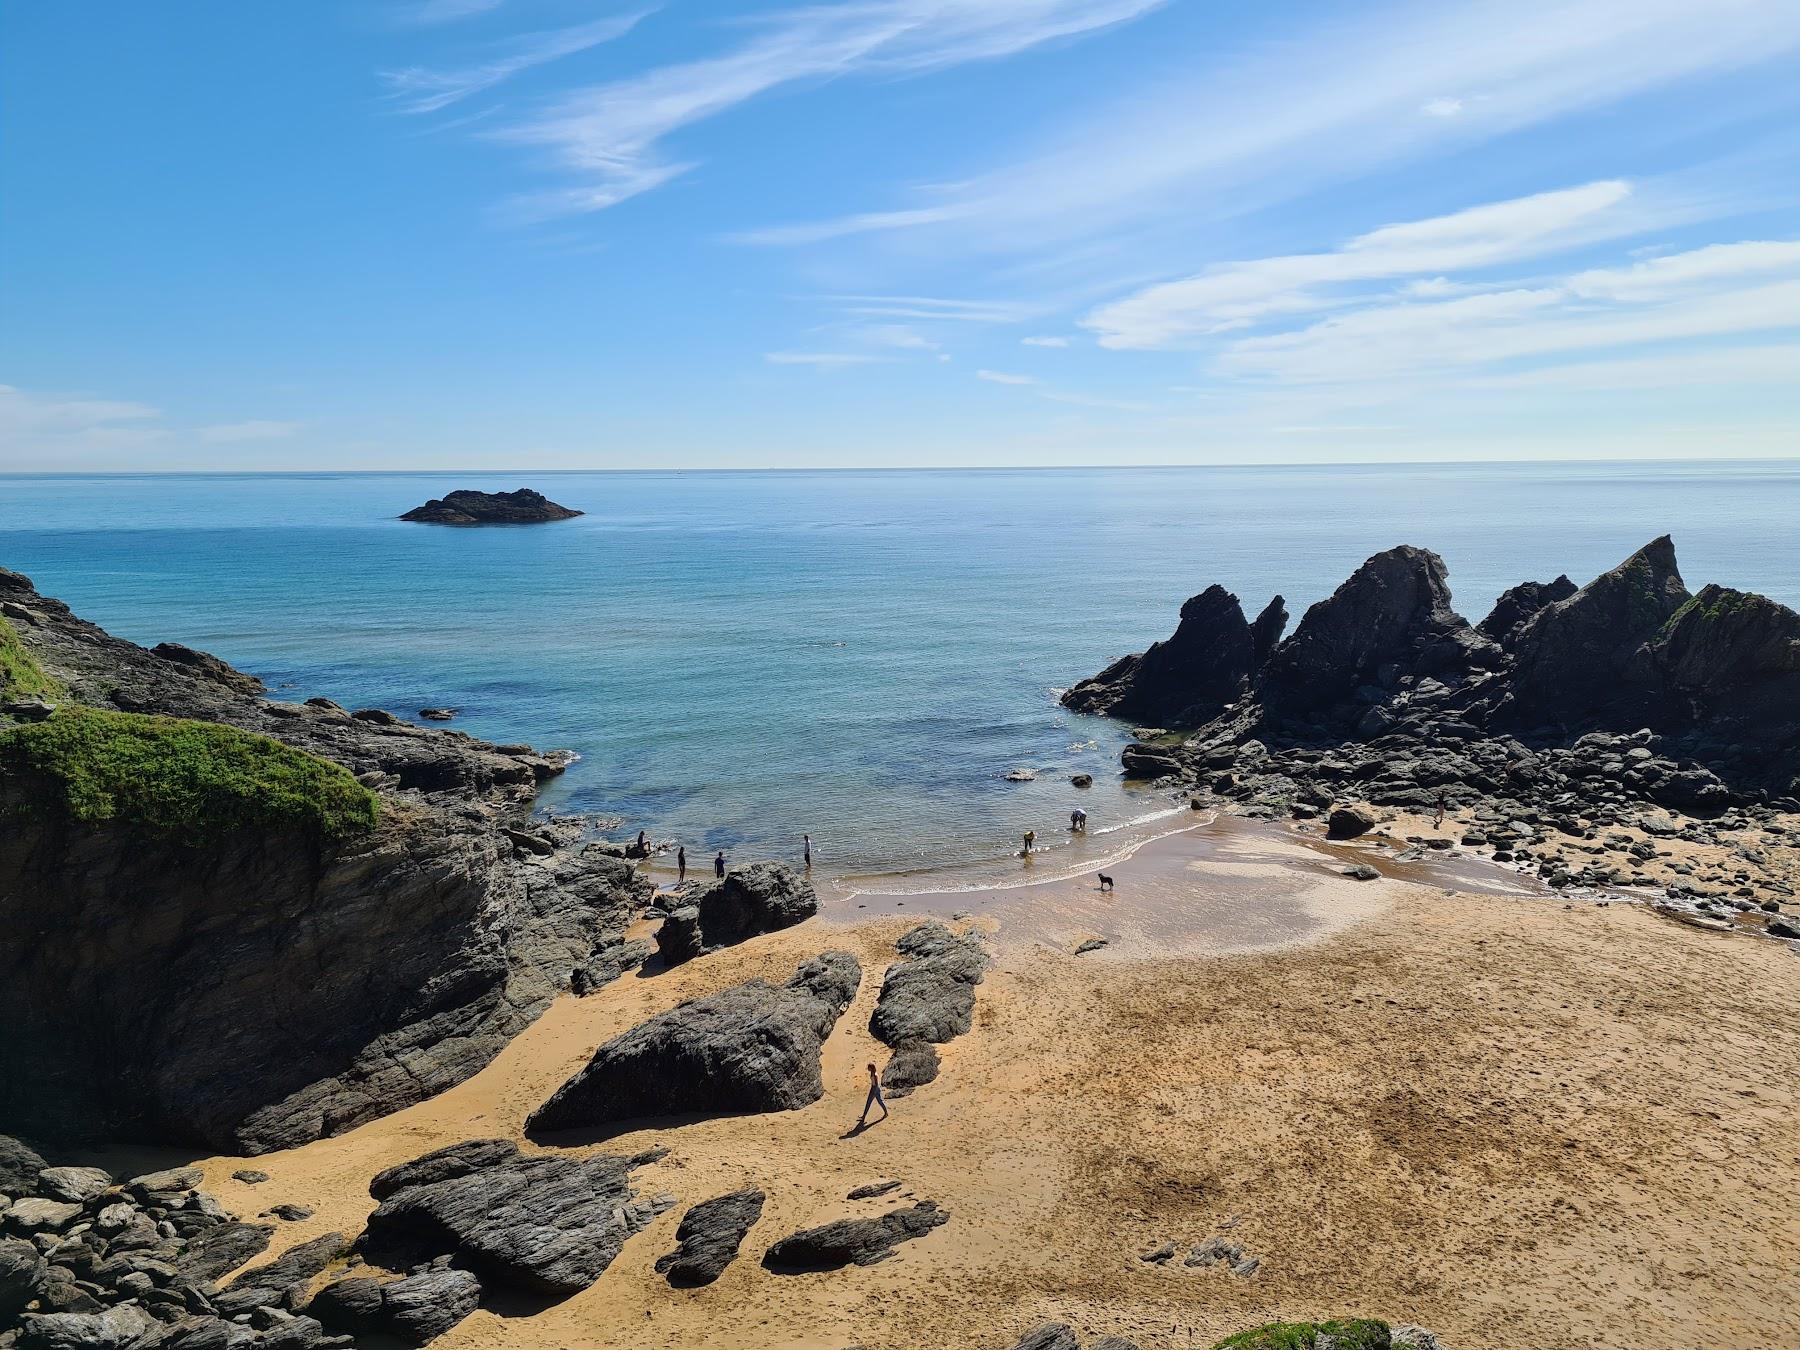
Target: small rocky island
{"x":468,"y":507}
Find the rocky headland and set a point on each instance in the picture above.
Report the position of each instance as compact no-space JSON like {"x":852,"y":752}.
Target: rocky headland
{"x":466,"y":506}
{"x":1574,"y":731}
{"x":246,"y":923}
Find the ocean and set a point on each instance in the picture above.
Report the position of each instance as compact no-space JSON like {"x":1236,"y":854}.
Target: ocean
{"x":741,"y":657}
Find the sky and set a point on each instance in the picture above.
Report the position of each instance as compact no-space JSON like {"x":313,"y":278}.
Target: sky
{"x":445,"y":234}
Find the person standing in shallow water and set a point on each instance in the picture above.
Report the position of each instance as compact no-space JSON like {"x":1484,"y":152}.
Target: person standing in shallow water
{"x":1030,"y":839}
{"x":874,"y":1098}
{"x":806,"y":844}
{"x":681,"y":864}
{"x":719,"y":864}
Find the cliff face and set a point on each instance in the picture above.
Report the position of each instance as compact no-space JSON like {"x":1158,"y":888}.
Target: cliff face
{"x":250,"y":988}
{"x":1184,"y":680}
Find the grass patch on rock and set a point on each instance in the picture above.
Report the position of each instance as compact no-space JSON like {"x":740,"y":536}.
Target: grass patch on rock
{"x":21,"y":677}
{"x":188,"y":779}
{"x":1354,"y":1333}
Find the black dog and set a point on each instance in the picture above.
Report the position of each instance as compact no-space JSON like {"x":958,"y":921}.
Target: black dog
{"x":1105,"y":881}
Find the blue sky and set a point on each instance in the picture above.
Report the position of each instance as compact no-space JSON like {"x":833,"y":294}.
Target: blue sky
{"x":579,"y":233}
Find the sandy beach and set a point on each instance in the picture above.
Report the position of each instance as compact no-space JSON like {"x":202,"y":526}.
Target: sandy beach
{"x":1518,"y":1120}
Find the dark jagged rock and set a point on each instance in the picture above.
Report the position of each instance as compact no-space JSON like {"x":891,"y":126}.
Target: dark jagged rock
{"x":541,"y":1222}
{"x":1266,"y":632}
{"x":753,"y":1047}
{"x":1582,"y":662}
{"x":281,"y":1282}
{"x":912,"y":1065}
{"x":23,"y":1271}
{"x":1049,"y":1336}
{"x":710,"y":1235}
{"x":930,"y":995}
{"x":208,"y":666}
{"x":858,"y":1242}
{"x":417,"y":1309}
{"x":1185,"y":680}
{"x":744,"y":903}
{"x":1518,"y":604}
{"x":1348,"y":822}
{"x":224,"y":1248}
{"x":19,"y":1166}
{"x":1391,"y":619}
{"x":271,"y":986}
{"x":468,"y":507}
{"x":1728,"y":663}
{"x":113,"y":1329}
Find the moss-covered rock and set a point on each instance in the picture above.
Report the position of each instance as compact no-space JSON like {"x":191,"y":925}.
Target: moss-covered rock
{"x":1354,"y":1333}
{"x":173,"y":776}
{"x":21,"y":677}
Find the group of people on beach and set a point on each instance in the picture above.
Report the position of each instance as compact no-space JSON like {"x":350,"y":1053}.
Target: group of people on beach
{"x":642,"y":850}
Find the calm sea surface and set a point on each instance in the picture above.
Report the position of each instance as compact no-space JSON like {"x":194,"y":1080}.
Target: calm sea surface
{"x":740,"y":657}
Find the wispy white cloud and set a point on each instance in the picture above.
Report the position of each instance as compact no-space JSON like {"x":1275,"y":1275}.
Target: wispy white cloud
{"x":1002,"y":377}
{"x":1235,"y":294}
{"x":1045,"y":341}
{"x":1339,"y":98}
{"x":254,"y":430}
{"x":418,"y":89}
{"x":821,"y":360}
{"x":56,"y":430}
{"x":899,"y":336}
{"x":1441,"y":107}
{"x":429,"y":13}
{"x":610,"y":137}
{"x":933,"y":308}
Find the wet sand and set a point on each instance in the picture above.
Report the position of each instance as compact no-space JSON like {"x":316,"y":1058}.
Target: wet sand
{"x":1516,"y":1120}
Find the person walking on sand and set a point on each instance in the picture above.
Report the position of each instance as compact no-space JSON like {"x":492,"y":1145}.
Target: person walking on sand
{"x":874,"y":1098}
{"x":1438,"y":821}
{"x":719,"y":864}
{"x":681,"y":864}
{"x":806,"y":844}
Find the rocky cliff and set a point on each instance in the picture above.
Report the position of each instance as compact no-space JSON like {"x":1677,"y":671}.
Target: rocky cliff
{"x":1385,"y":661}
{"x":245,"y":923}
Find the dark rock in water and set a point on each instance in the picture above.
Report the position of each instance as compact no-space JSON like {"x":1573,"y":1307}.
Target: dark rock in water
{"x":439,"y":714}
{"x":753,"y":1047}
{"x":1266,"y":631}
{"x":1518,"y":604}
{"x":1081,"y":780}
{"x":208,"y":666}
{"x":415,"y":1310}
{"x":1185,"y":680}
{"x":1391,"y":618}
{"x":710,"y":1235}
{"x":1348,"y":822}
{"x":266,"y":986}
{"x":541,"y":1222}
{"x":860,"y":1242}
{"x":1049,"y":1336}
{"x":19,"y":1166}
{"x":1583,"y":661}
{"x":912,"y":1065}
{"x":761,"y":898}
{"x":467,"y":507}
{"x":281,"y":1282}
{"x":930,"y":995}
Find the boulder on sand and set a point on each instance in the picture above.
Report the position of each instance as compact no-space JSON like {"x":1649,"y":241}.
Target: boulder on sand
{"x":415,"y":1310}
{"x":710,"y":1235}
{"x":912,"y":1065}
{"x":853,"y":1242}
{"x":1349,"y":822}
{"x":540,"y":1222}
{"x":760,"y":898}
{"x":753,"y":1047}
{"x":930,"y":995}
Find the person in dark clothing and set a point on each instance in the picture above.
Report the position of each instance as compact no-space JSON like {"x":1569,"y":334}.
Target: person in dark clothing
{"x":874,"y":1098}
{"x":681,"y":864}
{"x":806,"y":844}
{"x":719,"y":864}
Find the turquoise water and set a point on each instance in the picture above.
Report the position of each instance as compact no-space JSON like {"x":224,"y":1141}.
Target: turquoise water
{"x":740,"y":657}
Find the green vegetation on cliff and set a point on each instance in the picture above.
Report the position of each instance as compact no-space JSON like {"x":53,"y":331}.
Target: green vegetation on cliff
{"x":20,"y":675}
{"x":193,"y":780}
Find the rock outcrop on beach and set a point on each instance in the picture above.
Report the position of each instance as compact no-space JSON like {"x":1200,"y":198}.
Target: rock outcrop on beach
{"x":468,"y":507}
{"x":1185,"y":680}
{"x":853,"y":1242}
{"x":927,"y":998}
{"x":540,"y":1222}
{"x":754,"y":1047}
{"x":745,"y":902}
{"x":135,"y":1263}
{"x":709,"y":1236}
{"x":245,"y":923}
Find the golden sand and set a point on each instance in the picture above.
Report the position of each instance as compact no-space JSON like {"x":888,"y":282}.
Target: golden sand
{"x":1517,"y":1121}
